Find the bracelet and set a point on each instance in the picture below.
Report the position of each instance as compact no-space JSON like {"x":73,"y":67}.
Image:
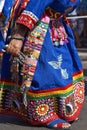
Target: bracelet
{"x":16,"y":37}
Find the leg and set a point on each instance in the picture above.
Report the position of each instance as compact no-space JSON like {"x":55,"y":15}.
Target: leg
{"x":43,"y":112}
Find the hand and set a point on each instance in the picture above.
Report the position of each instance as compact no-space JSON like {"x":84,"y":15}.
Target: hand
{"x":14,"y":47}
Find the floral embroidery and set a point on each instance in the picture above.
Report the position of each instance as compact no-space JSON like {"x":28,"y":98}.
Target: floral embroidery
{"x":79,"y":92}
{"x":42,"y":109}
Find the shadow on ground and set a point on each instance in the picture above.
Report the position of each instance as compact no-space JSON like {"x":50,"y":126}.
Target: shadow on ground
{"x":12,"y":120}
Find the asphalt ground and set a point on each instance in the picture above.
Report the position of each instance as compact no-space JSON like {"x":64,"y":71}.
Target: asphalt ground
{"x":14,"y":123}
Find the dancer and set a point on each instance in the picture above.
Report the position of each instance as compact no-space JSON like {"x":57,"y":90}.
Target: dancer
{"x":42,"y":76}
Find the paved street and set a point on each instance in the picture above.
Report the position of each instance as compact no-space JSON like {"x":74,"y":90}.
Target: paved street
{"x":12,"y":123}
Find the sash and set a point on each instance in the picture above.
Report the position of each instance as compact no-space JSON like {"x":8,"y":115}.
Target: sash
{"x":32,"y":49}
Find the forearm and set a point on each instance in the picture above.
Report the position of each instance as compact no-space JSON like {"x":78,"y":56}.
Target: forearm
{"x":19,"y":30}
{"x":16,"y":39}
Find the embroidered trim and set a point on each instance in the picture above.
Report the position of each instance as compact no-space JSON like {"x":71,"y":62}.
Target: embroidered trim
{"x":28,"y":19}
{"x":79,"y":92}
{"x":78,"y":77}
{"x":34,"y":17}
{"x":49,"y":93}
{"x":32,"y":49}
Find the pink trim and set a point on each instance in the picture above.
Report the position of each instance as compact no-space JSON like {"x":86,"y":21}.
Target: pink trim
{"x":45,"y":18}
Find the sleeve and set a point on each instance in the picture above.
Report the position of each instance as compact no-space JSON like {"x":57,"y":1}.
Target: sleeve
{"x":7,"y":9}
{"x":72,"y":4}
{"x":65,"y":6}
{"x":33,"y":12}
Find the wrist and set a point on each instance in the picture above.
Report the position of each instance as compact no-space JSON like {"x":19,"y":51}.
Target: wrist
{"x":17,"y":37}
{"x":20,"y":30}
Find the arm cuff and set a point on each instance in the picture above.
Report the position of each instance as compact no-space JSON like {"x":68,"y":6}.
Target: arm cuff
{"x":27,"y":19}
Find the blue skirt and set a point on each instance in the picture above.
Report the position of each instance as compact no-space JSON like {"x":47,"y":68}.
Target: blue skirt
{"x":57,"y":84}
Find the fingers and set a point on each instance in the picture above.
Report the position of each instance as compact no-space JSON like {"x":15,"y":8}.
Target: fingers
{"x":13,"y":50}
{"x":14,"y":47}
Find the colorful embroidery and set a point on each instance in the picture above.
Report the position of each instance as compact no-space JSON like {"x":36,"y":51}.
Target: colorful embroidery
{"x":58,"y":33}
{"x":42,"y":110}
{"x":49,"y":93}
{"x":79,"y":92}
{"x":28,"y":19}
{"x":40,"y":105}
{"x":78,"y":77}
{"x":69,"y":106}
{"x":5,"y":98}
{"x":57,"y":65}
{"x":43,"y":107}
{"x":32,"y":49}
{"x":46,"y":105}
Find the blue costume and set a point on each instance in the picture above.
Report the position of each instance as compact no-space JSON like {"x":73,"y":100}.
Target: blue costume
{"x":50,"y":81}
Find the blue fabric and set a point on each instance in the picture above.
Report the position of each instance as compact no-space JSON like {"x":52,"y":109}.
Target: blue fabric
{"x":38,"y":8}
{"x":5,"y":72}
{"x":7,"y":9}
{"x":65,"y":4}
{"x":2,"y":43}
{"x":77,"y":65}
{"x":6,"y":12}
{"x":45,"y":75}
{"x":49,"y":73}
